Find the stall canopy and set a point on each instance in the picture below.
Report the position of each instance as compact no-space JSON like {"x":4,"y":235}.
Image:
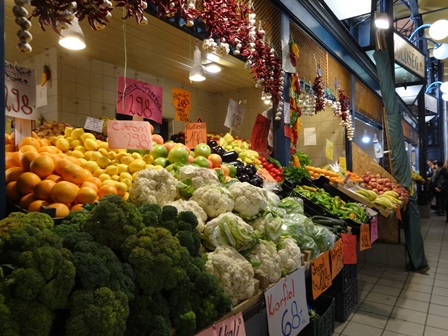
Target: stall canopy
{"x":400,"y":165}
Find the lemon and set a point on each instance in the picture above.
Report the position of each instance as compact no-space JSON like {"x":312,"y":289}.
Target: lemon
{"x":136,"y":155}
{"x":103,"y":151}
{"x":86,"y":136}
{"x":103,"y":144}
{"x":122,"y":168}
{"x":77,"y":154}
{"x":76,"y":133}
{"x":115,"y":177}
{"x":95,"y":156}
{"x":136,"y":165}
{"x":111,"y":170}
{"x":120,"y":155}
{"x":127,"y":159}
{"x":90,"y":144}
{"x":125,"y":176}
{"x":62,"y":144}
{"x":128,"y":182}
{"x":111,"y":155}
{"x":88,"y":154}
{"x":121,"y":188}
{"x":107,"y":181}
{"x":134,"y":175}
{"x":68,"y":131}
{"x":149,"y":165}
{"x":104,"y":177}
{"x":82,"y":161}
{"x":75,"y":143}
{"x":148,"y":158}
{"x":91,"y":166}
{"x":103,"y":161}
{"x":82,"y":149}
{"x":98,"y":172}
{"x":125,"y":197}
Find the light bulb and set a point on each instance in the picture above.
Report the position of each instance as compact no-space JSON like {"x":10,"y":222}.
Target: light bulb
{"x":381,"y":20}
{"x":365,"y":138}
{"x":440,"y":51}
{"x":72,"y":37}
{"x":439,"y":30}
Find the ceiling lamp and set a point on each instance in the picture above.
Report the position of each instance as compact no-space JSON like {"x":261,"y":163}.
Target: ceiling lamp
{"x":439,"y":30}
{"x":440,"y":51}
{"x":72,"y":37}
{"x":212,"y":68}
{"x":381,"y":20}
{"x":197,"y":70}
{"x":443,"y":87}
{"x":365,"y":138}
{"x":445,"y":96}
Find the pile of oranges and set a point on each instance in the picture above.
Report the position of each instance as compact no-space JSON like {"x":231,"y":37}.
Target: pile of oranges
{"x":40,"y":174}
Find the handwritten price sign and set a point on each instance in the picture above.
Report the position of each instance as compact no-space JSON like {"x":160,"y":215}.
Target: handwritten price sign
{"x":139,"y":99}
{"x":286,"y":305}
{"x":232,"y":326}
{"x":195,"y":133}
{"x":260,"y":133}
{"x":129,"y":134}
{"x":337,"y":258}
{"x":182,"y":103}
{"x":320,"y":274}
{"x":20,"y":92}
{"x":349,"y":243}
{"x":94,"y":124}
{"x":373,"y":229}
{"x":235,"y":116}
{"x":364,"y":237}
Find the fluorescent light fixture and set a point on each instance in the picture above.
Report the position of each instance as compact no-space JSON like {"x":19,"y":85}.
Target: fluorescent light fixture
{"x":212,"y":68}
{"x":72,"y":37}
{"x":381,"y":20}
{"x":197,"y":70}
{"x":440,"y":51}
{"x":439,"y":30}
{"x":365,"y":138}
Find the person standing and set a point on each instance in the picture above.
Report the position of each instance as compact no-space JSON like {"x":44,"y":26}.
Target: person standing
{"x":437,"y":182}
{"x":441,"y":184}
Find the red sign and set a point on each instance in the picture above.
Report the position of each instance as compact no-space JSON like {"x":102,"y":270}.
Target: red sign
{"x":136,"y":98}
{"x":337,"y":258}
{"x":288,"y":131}
{"x":260,"y":134}
{"x":349,"y":243}
{"x":320,"y":274}
{"x":129,"y":134}
{"x":364,"y":237}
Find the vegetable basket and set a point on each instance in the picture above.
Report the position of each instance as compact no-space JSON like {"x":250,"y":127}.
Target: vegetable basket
{"x":324,"y":306}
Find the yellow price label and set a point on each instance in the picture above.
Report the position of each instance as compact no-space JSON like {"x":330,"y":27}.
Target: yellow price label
{"x":343,"y":162}
{"x":329,"y":150}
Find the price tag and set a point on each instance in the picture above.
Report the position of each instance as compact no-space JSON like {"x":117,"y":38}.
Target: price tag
{"x":349,"y":244}
{"x":329,"y":150}
{"x":182,"y":103}
{"x":286,"y":305}
{"x":129,"y":134}
{"x":94,"y":124}
{"x":137,"y":98}
{"x":232,"y":326}
{"x":337,"y":258}
{"x":320,"y":274}
{"x":260,"y":132}
{"x":20,"y":92}
{"x":41,"y":95}
{"x":286,"y":113}
{"x":373,"y":229}
{"x":235,"y":116}
{"x":288,"y":131}
{"x":343,"y":162}
{"x":398,"y":213}
{"x":364,"y":237}
{"x":195,"y":133}
{"x":265,"y":175}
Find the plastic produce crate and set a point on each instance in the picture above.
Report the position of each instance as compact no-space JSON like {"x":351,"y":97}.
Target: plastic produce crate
{"x":345,"y":301}
{"x":346,"y":277}
{"x":324,"y":325}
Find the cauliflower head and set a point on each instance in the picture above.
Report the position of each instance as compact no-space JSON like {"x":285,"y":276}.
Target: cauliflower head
{"x":153,"y":186}
{"x":234,"y":273}
{"x":265,"y":260}
{"x":214,"y":199}
{"x":249,"y":200}
{"x":290,"y":255}
{"x":199,"y":176}
{"x":193,"y":206}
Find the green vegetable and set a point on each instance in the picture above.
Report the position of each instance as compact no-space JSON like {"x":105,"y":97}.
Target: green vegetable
{"x":291,"y":205}
{"x":295,"y":174}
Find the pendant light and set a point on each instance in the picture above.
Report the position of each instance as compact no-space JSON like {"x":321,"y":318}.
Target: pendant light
{"x":381,"y":20}
{"x":365,"y":138}
{"x":197,"y":70}
{"x":72,"y":37}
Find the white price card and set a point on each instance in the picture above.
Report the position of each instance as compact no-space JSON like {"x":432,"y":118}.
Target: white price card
{"x":93,"y":124}
{"x":286,"y":305}
{"x":286,"y":113}
{"x":235,"y":116}
{"x":231,"y":326}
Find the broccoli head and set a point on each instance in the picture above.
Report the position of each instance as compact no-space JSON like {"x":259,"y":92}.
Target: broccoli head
{"x":32,"y":317}
{"x":71,"y":235}
{"x":76,"y":218}
{"x":151,"y":214}
{"x":8,"y":327}
{"x":97,"y":312}
{"x":18,"y":220}
{"x":112,"y":221}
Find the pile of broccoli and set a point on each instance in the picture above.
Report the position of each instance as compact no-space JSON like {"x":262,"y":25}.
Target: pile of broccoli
{"x":114,"y":269}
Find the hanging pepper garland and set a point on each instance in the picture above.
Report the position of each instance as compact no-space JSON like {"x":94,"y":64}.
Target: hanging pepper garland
{"x":344,"y":113}
{"x":318,"y":88}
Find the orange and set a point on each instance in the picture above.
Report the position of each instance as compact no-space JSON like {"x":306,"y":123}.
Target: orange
{"x":42,"y":190}
{"x":107,"y":189}
{"x":44,"y":142}
{"x":12,"y":159}
{"x":8,"y":139}
{"x":62,"y":210}
{"x":35,"y":205}
{"x":13,"y":173}
{"x":76,"y":207}
{"x":26,"y":182}
{"x":27,"y":148}
{"x":86,"y":195}
{"x":26,"y":159}
{"x":49,"y":149}
{"x":26,"y":200}
{"x":54,"y":177}
{"x":42,"y":166}
{"x":11,"y":192}
{"x":61,"y":164}
{"x":64,"y":192}
{"x":88,"y":173}
{"x":29,"y":141}
{"x":74,"y":160}
{"x":90,"y":185}
{"x":74,"y":173}
{"x":10,"y":148}
{"x":95,"y":180}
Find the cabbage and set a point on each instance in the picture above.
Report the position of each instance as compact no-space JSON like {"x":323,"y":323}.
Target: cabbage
{"x":269,"y":226}
{"x":323,"y":237}
{"x":292,"y":205}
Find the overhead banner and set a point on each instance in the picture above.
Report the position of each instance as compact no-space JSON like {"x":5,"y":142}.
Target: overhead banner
{"x":139,"y":99}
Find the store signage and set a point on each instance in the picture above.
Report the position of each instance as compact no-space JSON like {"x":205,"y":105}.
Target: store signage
{"x":286,"y":113}
{"x":408,"y":56}
{"x":231,"y":326}
{"x":260,"y":132}
{"x":264,"y":174}
{"x":139,"y":99}
{"x":364,"y":237}
{"x":20,"y":92}
{"x":373,"y":229}
{"x":235,"y":116}
{"x":129,"y":134}
{"x":286,"y":305}
{"x":343,"y":162}
{"x":337,"y":258}
{"x":430,"y":103}
{"x":288,"y":131}
{"x":349,"y":244}
{"x":93,"y":124}
{"x":329,"y":150}
{"x":320,"y":274}
{"x":182,"y":103}
{"x":195,"y":133}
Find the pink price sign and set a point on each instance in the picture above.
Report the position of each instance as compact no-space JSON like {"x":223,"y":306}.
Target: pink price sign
{"x":233,"y":325}
{"x":129,"y":134}
{"x":139,"y":99}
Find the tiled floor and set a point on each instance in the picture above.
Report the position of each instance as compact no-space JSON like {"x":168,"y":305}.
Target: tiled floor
{"x":393,"y":302}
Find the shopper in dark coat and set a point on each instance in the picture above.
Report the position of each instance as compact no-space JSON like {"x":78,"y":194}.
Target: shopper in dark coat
{"x":438,"y":182}
{"x":441,"y":184}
